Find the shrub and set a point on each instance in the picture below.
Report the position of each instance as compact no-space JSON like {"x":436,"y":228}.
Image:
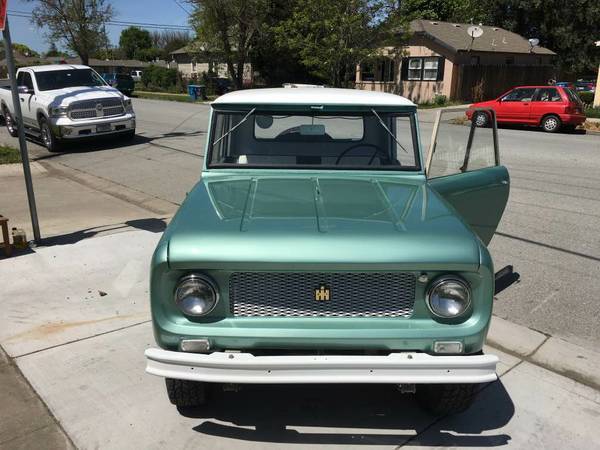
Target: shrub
{"x":586,"y":97}
{"x":159,"y":78}
{"x":440,"y":100}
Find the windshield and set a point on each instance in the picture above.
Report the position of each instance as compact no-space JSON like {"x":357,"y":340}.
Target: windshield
{"x":368,"y":140}
{"x":58,"y":79}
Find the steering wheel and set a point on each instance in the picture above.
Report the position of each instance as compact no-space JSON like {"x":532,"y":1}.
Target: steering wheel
{"x":378,"y":150}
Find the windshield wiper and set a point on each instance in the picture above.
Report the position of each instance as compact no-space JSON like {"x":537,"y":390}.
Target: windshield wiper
{"x":237,"y":125}
{"x":388,"y":130}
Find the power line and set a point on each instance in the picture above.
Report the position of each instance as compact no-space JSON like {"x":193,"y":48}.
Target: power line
{"x":118,"y":23}
{"x":182,"y":7}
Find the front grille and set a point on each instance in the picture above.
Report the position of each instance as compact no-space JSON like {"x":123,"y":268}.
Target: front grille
{"x":88,"y":109}
{"x":351,"y":294}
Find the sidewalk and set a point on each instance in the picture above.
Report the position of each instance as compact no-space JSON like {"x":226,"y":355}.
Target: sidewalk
{"x":83,"y":354}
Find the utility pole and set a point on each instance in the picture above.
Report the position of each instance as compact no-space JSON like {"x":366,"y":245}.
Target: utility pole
{"x":10,"y":63}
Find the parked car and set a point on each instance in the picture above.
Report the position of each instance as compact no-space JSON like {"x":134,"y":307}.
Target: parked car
{"x":585,"y":86}
{"x":320,"y":247}
{"x":136,"y":75}
{"x":566,"y":84}
{"x":121,"y":81}
{"x":548,"y":107}
{"x":67,"y":102}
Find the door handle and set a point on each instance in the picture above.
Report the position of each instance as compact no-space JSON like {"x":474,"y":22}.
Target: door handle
{"x":22,"y":99}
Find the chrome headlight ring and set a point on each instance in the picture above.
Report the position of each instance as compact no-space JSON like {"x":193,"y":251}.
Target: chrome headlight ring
{"x":448,"y":297}
{"x":196,"y":295}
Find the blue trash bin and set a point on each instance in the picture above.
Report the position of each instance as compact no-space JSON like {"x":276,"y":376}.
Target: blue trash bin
{"x":193,"y":91}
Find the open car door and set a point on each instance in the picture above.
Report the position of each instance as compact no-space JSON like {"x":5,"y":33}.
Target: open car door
{"x":463,"y":166}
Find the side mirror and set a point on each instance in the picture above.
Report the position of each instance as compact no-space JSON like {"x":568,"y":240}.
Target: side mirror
{"x":24,"y":90}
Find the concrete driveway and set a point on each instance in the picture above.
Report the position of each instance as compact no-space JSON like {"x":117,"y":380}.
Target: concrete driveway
{"x":75,"y":319}
{"x":549,"y":231}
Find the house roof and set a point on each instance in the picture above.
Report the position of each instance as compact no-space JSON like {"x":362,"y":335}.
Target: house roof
{"x":494,"y":39}
{"x":311,"y":96}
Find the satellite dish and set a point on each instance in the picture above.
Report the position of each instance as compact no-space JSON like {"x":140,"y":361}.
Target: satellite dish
{"x":474,"y":31}
{"x":534,"y":41}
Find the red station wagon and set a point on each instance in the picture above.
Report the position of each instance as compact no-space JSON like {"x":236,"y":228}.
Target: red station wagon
{"x":549,"y":107}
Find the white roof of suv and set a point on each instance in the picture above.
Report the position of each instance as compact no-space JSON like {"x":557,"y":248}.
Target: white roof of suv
{"x":311,"y":96}
{"x":47,"y":67}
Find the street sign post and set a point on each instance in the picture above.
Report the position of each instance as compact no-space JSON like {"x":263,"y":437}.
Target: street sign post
{"x":10,"y":63}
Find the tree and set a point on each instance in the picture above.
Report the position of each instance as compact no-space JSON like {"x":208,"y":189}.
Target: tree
{"x":569,"y":31}
{"x":78,"y":24}
{"x":462,"y":11}
{"x":332,"y":37}
{"x":54,"y":52}
{"x":24,"y":50}
{"x":275,"y":63}
{"x":168,"y":41}
{"x":227,"y":29}
{"x":134,"y":42}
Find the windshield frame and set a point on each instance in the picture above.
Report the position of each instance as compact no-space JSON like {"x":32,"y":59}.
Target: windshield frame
{"x":341,"y":110}
{"x":68,"y":69}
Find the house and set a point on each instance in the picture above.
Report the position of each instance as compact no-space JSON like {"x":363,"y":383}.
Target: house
{"x":441,"y":58}
{"x":192,"y":63}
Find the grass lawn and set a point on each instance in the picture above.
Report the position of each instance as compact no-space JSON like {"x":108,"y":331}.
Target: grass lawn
{"x":9,"y":155}
{"x":593,"y":112}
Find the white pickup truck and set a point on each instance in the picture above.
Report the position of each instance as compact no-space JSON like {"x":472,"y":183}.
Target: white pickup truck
{"x":66,"y":102}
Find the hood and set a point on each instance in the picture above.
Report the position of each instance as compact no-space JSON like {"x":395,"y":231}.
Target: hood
{"x":319,"y":221}
{"x":66,"y":96}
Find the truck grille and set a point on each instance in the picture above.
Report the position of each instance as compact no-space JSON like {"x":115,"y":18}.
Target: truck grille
{"x":351,"y":294}
{"x":89,"y":109}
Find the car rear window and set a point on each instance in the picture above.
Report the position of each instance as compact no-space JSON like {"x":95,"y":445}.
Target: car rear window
{"x":573,"y":97}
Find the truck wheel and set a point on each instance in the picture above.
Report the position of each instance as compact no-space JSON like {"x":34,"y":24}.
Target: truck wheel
{"x":481,"y":119}
{"x":185,"y":393}
{"x":47,"y":136}
{"x":551,"y":124}
{"x":11,"y":126}
{"x":444,"y":399}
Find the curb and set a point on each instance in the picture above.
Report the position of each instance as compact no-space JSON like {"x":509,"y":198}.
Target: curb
{"x":551,"y":353}
{"x":138,"y":198}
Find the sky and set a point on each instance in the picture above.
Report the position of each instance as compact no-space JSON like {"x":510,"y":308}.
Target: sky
{"x":169,"y":12}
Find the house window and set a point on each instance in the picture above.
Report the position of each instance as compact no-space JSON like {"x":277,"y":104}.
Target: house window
{"x":423,"y":69}
{"x":379,"y":70}
{"x":430,"y":70}
{"x":414,"y":68}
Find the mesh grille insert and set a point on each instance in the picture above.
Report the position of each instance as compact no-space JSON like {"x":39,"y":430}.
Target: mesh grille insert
{"x":351,"y":294}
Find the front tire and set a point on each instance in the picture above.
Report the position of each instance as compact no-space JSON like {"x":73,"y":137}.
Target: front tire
{"x":481,"y":119}
{"x":551,"y":124}
{"x":184,"y":393}
{"x":11,"y":126}
{"x":445,"y":399}
{"x":47,"y":135}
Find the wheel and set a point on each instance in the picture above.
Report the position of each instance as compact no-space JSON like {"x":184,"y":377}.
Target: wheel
{"x":10,"y":123}
{"x":185,"y":393}
{"x":443,"y":399}
{"x":47,"y":135}
{"x":481,"y":119}
{"x":551,"y":124}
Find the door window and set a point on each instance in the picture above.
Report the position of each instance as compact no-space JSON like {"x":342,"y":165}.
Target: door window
{"x":24,"y":79}
{"x":519,"y":95}
{"x":459,"y":146}
{"x":548,"y":95}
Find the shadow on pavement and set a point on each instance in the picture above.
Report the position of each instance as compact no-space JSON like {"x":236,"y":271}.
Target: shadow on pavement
{"x":153,"y":225}
{"x":96,"y":144}
{"x":367,"y":415}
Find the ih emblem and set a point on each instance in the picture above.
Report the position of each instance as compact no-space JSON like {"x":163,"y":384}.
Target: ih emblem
{"x":323,"y":293}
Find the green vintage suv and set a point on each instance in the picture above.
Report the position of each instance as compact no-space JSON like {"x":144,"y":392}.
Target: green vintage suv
{"x":322,"y":246}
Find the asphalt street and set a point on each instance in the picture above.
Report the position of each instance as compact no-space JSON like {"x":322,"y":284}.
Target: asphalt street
{"x":549,"y":231}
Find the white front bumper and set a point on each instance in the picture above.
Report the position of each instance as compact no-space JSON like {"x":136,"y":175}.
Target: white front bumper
{"x":396,"y":368}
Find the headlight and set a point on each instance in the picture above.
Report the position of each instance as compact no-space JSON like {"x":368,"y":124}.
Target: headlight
{"x":449,"y":297}
{"x":128,"y":105}
{"x":59,"y":111}
{"x":196,"y":295}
